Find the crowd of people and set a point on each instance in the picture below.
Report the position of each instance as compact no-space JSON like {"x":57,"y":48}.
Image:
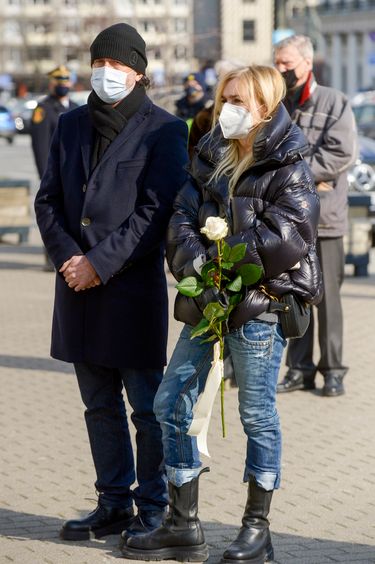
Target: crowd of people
{"x":124,"y":184}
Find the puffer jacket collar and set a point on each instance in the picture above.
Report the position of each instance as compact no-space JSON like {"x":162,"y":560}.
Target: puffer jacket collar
{"x":279,"y":142}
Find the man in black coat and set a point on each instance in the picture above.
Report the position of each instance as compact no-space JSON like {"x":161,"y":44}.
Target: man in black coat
{"x":44,"y":120}
{"x":103,"y":207}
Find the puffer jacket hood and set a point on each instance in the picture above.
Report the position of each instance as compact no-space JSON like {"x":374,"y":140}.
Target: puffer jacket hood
{"x":274,"y":210}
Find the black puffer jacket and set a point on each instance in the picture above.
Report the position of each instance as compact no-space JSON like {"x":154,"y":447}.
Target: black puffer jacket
{"x":274,"y":209}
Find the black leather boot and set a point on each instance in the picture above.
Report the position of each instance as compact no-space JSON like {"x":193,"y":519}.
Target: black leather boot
{"x":144,"y":522}
{"x":296,"y":379}
{"x":333,"y":385}
{"x":180,"y":537}
{"x":253,"y":543}
{"x":100,"y":522}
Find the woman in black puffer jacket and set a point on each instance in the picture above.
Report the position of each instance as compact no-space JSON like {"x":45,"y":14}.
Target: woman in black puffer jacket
{"x":250,"y":171}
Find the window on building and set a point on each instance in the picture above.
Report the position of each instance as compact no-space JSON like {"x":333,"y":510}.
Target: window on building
{"x":180,"y":25}
{"x":39,"y":27}
{"x":13,"y":54}
{"x":180,"y":52}
{"x":248,"y":33}
{"x":71,"y":26}
{"x":38,"y":52}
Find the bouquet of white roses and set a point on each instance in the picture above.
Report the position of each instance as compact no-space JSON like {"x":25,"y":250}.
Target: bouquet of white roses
{"x":226,"y":283}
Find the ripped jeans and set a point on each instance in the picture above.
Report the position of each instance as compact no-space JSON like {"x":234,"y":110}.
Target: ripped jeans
{"x":256,"y":350}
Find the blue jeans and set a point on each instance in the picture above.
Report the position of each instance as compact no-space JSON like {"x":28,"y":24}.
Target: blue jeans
{"x":111,"y":447}
{"x":256,"y":350}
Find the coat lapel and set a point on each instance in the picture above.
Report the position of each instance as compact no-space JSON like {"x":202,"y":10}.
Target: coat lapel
{"x":86,"y":135}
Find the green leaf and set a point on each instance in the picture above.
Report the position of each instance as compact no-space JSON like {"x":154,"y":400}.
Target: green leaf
{"x":226,"y":251}
{"x":235,"y":299}
{"x":227,"y":265}
{"x":202,"y":327}
{"x":250,"y":273}
{"x":213,"y":310}
{"x":208,"y":267}
{"x":237,"y":252}
{"x":207,"y":275}
{"x":210,"y":339}
{"x":190,"y":287}
{"x":236,"y":285}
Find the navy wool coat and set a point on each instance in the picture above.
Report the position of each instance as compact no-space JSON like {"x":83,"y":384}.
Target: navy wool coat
{"x":117,"y":216}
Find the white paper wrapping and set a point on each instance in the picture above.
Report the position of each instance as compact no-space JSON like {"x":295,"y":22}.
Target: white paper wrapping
{"x":203,"y":408}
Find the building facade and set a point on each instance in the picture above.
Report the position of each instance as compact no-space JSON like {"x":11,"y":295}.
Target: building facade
{"x":246,"y":30}
{"x":207,"y":30}
{"x":344,"y":35}
{"x":36,"y":35}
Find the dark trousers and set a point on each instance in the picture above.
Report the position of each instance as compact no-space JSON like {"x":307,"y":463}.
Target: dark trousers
{"x":111,"y":447}
{"x":330,"y":319}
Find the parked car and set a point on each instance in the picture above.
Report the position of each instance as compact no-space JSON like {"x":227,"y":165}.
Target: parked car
{"x":22,"y":111}
{"x":363,"y":105}
{"x":7,"y":125}
{"x":79,"y":96}
{"x":361,"y":178}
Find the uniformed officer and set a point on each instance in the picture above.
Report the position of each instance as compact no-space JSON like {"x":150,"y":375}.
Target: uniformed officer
{"x":45,"y":117}
{"x":46,"y":114}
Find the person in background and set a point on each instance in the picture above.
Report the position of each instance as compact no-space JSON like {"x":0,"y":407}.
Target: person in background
{"x":194,"y":99}
{"x":203,"y":120}
{"x":325,"y":117}
{"x":249,"y":171}
{"x":103,"y":207}
{"x":44,"y":121}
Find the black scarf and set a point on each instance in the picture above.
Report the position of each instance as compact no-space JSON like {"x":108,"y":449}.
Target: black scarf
{"x":108,"y":121}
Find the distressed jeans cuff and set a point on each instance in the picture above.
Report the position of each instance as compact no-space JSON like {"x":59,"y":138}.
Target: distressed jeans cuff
{"x":266,"y":480}
{"x":180,"y":476}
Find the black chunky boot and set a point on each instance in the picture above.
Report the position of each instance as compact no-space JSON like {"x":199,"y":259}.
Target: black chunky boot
{"x":100,"y":522}
{"x":253,"y":543}
{"x":144,"y":522}
{"x":180,"y":537}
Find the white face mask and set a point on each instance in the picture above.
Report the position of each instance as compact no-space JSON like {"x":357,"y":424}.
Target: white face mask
{"x":110,"y":84}
{"x":235,"y":121}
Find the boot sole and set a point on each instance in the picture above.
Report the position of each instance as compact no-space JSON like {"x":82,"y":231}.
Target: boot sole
{"x":268,"y":557}
{"x":180,"y":553}
{"x":330,"y":394}
{"x":114,"y":529}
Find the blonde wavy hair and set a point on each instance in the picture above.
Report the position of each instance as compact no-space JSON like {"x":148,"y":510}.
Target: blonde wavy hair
{"x":265,"y":86}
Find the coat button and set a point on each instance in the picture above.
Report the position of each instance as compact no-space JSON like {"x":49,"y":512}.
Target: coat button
{"x":85,"y":221}
{"x":84,"y":188}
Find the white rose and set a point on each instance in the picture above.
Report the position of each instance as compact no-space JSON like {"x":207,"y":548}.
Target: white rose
{"x":215,"y":228}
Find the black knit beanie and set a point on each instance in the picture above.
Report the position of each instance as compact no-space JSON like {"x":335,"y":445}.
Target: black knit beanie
{"x":123,"y":43}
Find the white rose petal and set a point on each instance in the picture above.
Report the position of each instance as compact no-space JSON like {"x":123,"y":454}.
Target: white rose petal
{"x":216,"y":228}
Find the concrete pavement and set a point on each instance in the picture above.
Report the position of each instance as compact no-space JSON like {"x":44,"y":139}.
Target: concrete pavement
{"x":323,"y":513}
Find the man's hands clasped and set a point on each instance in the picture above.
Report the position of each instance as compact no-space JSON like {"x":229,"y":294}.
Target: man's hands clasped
{"x":79,"y":273}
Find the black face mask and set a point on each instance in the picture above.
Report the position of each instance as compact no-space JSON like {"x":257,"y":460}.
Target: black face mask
{"x":290,"y":79}
{"x":192,"y":90}
{"x":61,"y":91}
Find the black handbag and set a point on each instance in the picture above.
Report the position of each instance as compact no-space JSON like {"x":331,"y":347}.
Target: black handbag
{"x":295,"y":315}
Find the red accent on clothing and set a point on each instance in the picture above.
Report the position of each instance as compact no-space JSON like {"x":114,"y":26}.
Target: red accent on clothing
{"x":305,"y":94}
